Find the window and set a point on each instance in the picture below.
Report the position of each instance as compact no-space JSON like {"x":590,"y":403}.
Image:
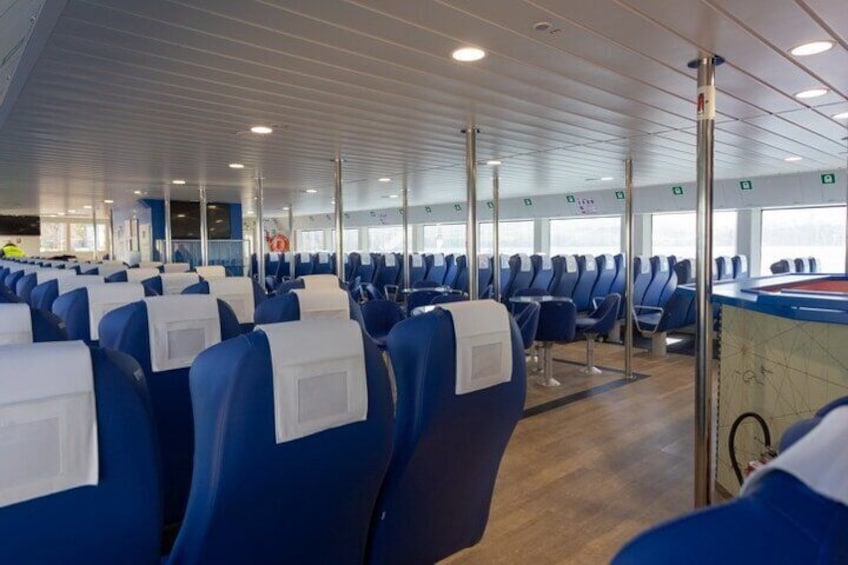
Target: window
{"x":385,"y":239}
{"x":310,"y":240}
{"x":515,"y":237}
{"x":82,"y":237}
{"x":674,"y":234}
{"x":54,"y":236}
{"x":582,"y":236}
{"x":804,"y":232}
{"x":350,"y":242}
{"x":444,"y":238}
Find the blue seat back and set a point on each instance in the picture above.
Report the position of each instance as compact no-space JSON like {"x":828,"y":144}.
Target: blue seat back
{"x":362,"y":266}
{"x":73,"y":309}
{"x":815,"y":266}
{"x":126,"y":330}
{"x":259,"y":296}
{"x":684,"y":272}
{"x":641,"y":279}
{"x":587,"y":276}
{"x":388,"y":271}
{"x":116,"y":521}
{"x":437,"y":267}
{"x":323,"y":264}
{"x":379,"y":317}
{"x":676,"y":311}
{"x":286,"y":308}
{"x":527,"y":321}
{"x":253,"y":500}
{"x":485,"y":273}
{"x":303,"y":264}
{"x":782,"y":266}
{"x":802,"y":265}
{"x":740,"y":267}
{"x":660,"y":274}
{"x":568,"y":277}
{"x":606,"y":275}
{"x":459,"y":438}
{"x":604,"y":315}
{"x":11,"y":280}
{"x":461,"y":281}
{"x":671,"y":285}
{"x":452,"y":271}
{"x":417,"y":268}
{"x":620,"y":281}
{"x":543,"y":269}
{"x":724,"y":268}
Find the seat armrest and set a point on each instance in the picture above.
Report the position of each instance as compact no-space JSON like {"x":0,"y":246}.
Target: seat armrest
{"x":650,"y":309}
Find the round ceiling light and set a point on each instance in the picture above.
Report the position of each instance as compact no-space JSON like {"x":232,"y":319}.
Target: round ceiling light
{"x":468,"y":54}
{"x":493,"y":162}
{"x":793,"y":159}
{"x":178,"y":181}
{"x":385,"y":179}
{"x":393,"y":195}
{"x":811,"y":93}
{"x":261,"y":130}
{"x":107,"y":201}
{"x":236,"y":166}
{"x":607,"y":178}
{"x":811,"y":48}
{"x":310,"y":191}
{"x":87,"y":207}
{"x":840,"y":116}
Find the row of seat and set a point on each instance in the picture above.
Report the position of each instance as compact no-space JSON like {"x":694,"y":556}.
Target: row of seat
{"x":797,"y":265}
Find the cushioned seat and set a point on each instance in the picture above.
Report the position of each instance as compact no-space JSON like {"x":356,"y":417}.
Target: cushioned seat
{"x":740,"y":266}
{"x":543,"y":272}
{"x":211,"y":272}
{"x":323,"y":264}
{"x":26,"y":284}
{"x":568,"y":277}
{"x":168,"y":284}
{"x":417,"y":268}
{"x":242,"y":294}
{"x":379,"y":317}
{"x":303,"y":264}
{"x":599,"y":322}
{"x":82,"y":309}
{"x":294,"y":434}
{"x":287,"y":308}
{"x":587,"y":269}
{"x":44,"y":294}
{"x":20,"y":323}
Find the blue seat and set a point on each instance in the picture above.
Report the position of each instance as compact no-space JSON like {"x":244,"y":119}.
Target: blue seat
{"x":782,"y":266}
{"x":642,"y":278}
{"x":587,"y":270}
{"x":446,"y":431}
{"x":600,"y":322}
{"x":568,"y":277}
{"x":449,"y":297}
{"x":27,"y":283}
{"x":363,"y":269}
{"x":543,"y":272}
{"x":421,"y":297}
{"x":387,"y":275}
{"x":485,"y":274}
{"x":323,"y":264}
{"x":815,"y":266}
{"x":116,"y":520}
{"x":286,"y":308}
{"x":606,"y":276}
{"x":303,"y":264}
{"x":242,"y":294}
{"x":20,"y":323}
{"x":557,"y":324}
{"x":740,"y":267}
{"x":660,"y":274}
{"x":799,"y":429}
{"x":656,"y":323}
{"x":11,"y":280}
{"x":671,"y":285}
{"x":82,"y":306}
{"x":528,"y":323}
{"x":683,"y":270}
{"x":133,"y":274}
{"x":619,"y":283}
{"x":437,"y":268}
{"x":269,"y":487}
{"x":291,"y":284}
{"x":452,"y":272}
{"x":417,"y":268}
{"x":379,"y":317}
{"x":518,"y":275}
{"x":460,"y":281}
{"x":724,"y":268}
{"x":802,"y":265}
{"x":199,"y":322}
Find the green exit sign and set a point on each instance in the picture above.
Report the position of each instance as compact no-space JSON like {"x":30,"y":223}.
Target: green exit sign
{"x":528,"y":202}
{"x":570,"y":198}
{"x":677,"y":190}
{"x":428,"y":209}
{"x":457,"y":207}
{"x":490,"y":204}
{"x":400,"y":211}
{"x":828,"y":178}
{"x":619,"y":195}
{"x":347,"y":216}
{"x":746,"y":185}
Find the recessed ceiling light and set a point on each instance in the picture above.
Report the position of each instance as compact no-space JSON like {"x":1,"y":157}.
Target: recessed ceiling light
{"x":493,"y":162}
{"x":51,"y":215}
{"x":310,"y":191}
{"x":811,"y":93}
{"x":607,"y":178}
{"x":219,"y":221}
{"x":60,"y":213}
{"x":792,"y":159}
{"x":178,"y":181}
{"x":72,"y":211}
{"x":840,"y":116}
{"x":261,"y":130}
{"x":468,"y":54}
{"x":87,"y":207}
{"x":812,"y":48}
{"x":236,"y":166}
{"x":285,"y":208}
{"x":107,"y":201}
{"x":181,"y":215}
{"x":393,"y":195}
{"x":136,"y":192}
{"x":384,"y":179}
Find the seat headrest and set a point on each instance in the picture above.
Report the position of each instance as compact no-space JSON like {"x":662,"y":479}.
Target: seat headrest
{"x":438,"y":259}
{"x":180,"y":327}
{"x":48,"y":440}
{"x":365,"y":259}
{"x":570,"y":264}
{"x":45,"y":275}
{"x":547,"y":263}
{"x":320,"y":282}
{"x":644,"y":265}
{"x":147,"y":264}
{"x":505,"y":261}
{"x":212,"y":272}
{"x":176,"y":268}
{"x":305,"y":257}
{"x":589,"y":261}
{"x":483,"y":344}
{"x":323,"y":258}
{"x":819,"y":459}
{"x":389,"y":260}
{"x":15,"y":324}
{"x":483,"y":260}
{"x":525,"y":265}
{"x":662,"y":260}
{"x":743,"y":262}
{"x":417,"y":260}
{"x":103,"y":298}
{"x":238,"y":293}
{"x":323,"y":304}
{"x":175,"y":283}
{"x":67,"y":284}
{"x":108,"y":270}
{"x":319,"y":376}
{"x":286,"y":257}
{"x":141,"y":274}
{"x":609,"y":262}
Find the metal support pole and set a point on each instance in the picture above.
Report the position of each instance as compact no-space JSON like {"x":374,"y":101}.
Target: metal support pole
{"x":628,"y":261}
{"x":94,"y":225}
{"x":204,"y":228}
{"x":166,"y":255}
{"x":704,"y":432}
{"x":406,"y":257}
{"x":845,"y":139}
{"x":471,"y":203}
{"x":496,"y":232}
{"x":111,"y":234}
{"x":292,"y":238}
{"x":260,"y":231}
{"x":340,"y":270}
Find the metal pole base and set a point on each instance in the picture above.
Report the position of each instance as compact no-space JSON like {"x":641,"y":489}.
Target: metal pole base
{"x":591,"y":371}
{"x":547,"y":379}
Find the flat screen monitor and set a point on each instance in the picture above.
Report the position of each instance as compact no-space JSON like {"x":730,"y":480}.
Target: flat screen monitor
{"x":20,"y":225}
{"x":185,"y":220}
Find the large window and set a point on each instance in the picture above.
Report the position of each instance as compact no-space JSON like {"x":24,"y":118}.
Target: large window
{"x":445,"y":238}
{"x":674,"y":234}
{"x":385,"y":239}
{"x":310,"y":240}
{"x":54,"y":237}
{"x":804,"y":232}
{"x":581,"y":236}
{"x":350,"y":242}
{"x":514,"y":237}
{"x":82,"y":237}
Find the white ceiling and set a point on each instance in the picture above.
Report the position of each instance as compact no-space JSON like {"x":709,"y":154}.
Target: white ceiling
{"x":128,"y":94}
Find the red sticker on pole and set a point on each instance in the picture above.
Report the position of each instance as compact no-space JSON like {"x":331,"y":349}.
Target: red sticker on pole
{"x":706,"y":103}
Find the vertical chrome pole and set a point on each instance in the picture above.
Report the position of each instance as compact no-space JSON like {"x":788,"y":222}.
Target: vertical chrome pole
{"x":704,"y":433}
{"x":292,"y":237}
{"x":111,"y":234}
{"x":340,"y":270}
{"x":94,"y":226}
{"x":406,"y":257}
{"x":496,"y":232}
{"x":471,"y":203}
{"x":260,"y":230}
{"x":628,"y":265}
{"x":845,"y":139}
{"x":166,"y":255}
{"x":204,"y":228}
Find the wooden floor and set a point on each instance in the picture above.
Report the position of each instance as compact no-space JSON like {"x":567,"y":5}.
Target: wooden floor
{"x":580,"y":480}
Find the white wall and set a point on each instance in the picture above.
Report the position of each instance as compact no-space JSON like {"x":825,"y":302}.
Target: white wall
{"x":29,"y":243}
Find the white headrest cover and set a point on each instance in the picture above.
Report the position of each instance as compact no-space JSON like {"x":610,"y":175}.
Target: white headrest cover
{"x":547,"y":263}
{"x":15,"y":324}
{"x":113,"y":263}
{"x":48,"y":420}
{"x":103,"y":298}
{"x":645,"y":265}
{"x":483,"y":260}
{"x":390,"y":260}
{"x":743,"y":263}
{"x":663,"y":261}
{"x":141,"y":274}
{"x":483,"y":344}
{"x":147,"y":264}
{"x":319,"y":376}
{"x":175,"y":283}
{"x":609,"y":262}
{"x":819,"y":459}
{"x":212,"y":272}
{"x":438,"y":259}
{"x":365,"y":258}
{"x":15,"y":267}
{"x":320,"y":282}
{"x":505,"y":261}
{"x":589,"y":261}
{"x":67,"y":284}
{"x":305,"y":257}
{"x":45,"y":275}
{"x":323,"y":304}
{"x":525,"y":265}
{"x":238,"y":293}
{"x":107,"y":270}
{"x":180,"y":327}
{"x":176,"y":267}
{"x":323,"y":258}
{"x":417,"y":260}
{"x":284,"y":257}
